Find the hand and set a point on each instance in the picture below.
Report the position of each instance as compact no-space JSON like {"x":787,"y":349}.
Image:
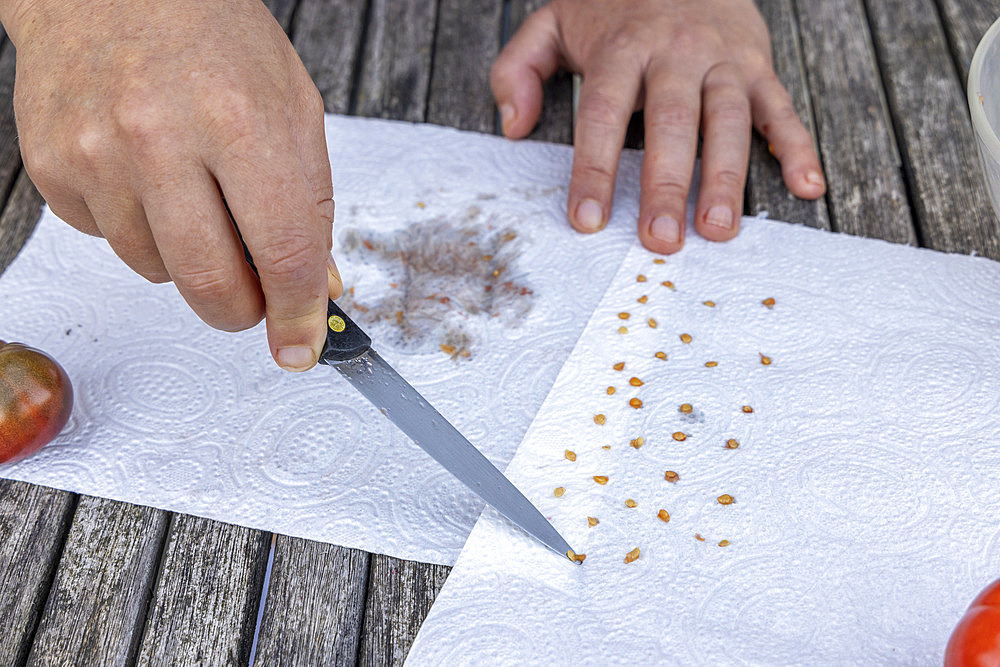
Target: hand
{"x":691,"y":65}
{"x":136,"y":118}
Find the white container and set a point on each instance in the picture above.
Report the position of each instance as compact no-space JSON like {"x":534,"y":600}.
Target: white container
{"x":984,"y":105}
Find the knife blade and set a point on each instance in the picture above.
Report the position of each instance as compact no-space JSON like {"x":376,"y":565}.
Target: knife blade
{"x":348,"y":349}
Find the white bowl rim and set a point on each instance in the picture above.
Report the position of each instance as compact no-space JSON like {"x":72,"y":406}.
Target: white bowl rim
{"x":982,"y":125}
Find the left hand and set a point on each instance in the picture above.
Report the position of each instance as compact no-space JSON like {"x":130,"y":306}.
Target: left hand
{"x":692,"y":65}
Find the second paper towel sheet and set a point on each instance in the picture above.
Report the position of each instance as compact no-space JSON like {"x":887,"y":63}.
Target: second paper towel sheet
{"x":778,"y":450}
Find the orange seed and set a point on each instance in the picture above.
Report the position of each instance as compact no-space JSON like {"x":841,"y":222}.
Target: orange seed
{"x":724,"y":543}
{"x":698,"y":537}
{"x":600,"y":419}
{"x":630,"y":503}
{"x":747,"y":409}
{"x":643,"y":299}
{"x":732,"y":444}
{"x":632,"y":555}
{"x":711,"y":364}
{"x":570,"y":456}
{"x":661,"y":355}
{"x":601,"y":479}
{"x":668,"y":284}
{"x":624,"y":316}
{"x":659,"y":260}
{"x":635,"y":403}
{"x":679,"y":436}
{"x":637,"y":442}
{"x":448,"y":349}
{"x":686,"y":408}
{"x":710,"y":304}
{"x":575,"y":557}
{"x":623,"y":330}
{"x":764,"y":359}
{"x":686,"y":338}
{"x":651,"y":323}
{"x":620,"y":366}
{"x":769,"y":302}
{"x":611,"y":390}
{"x":558,"y":492}
{"x":663,"y":515}
{"x":635,"y":382}
{"x":592,"y":521}
{"x":640,"y":278}
{"x":725,"y":499}
{"x":671,"y":476}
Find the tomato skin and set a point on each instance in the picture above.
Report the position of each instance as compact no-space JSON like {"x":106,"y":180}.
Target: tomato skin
{"x":36,"y":399}
{"x":975,"y":641}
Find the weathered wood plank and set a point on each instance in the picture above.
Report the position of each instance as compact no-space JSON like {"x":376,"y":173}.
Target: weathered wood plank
{"x":929,"y":109}
{"x":399,"y":596}
{"x":867,"y":194}
{"x":965,"y":22}
{"x":98,"y":600}
{"x":20,"y":215}
{"x":327,"y":35}
{"x":466,"y":43}
{"x":766,"y":189}
{"x":34,"y":521}
{"x":314,"y":606}
{"x":204,"y":604}
{"x":10,"y":156}
{"x":395,"y":67}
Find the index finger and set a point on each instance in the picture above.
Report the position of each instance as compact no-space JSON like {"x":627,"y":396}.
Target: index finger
{"x":272,"y":202}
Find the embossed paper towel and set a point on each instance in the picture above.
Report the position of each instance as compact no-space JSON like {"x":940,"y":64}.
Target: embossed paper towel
{"x":463,"y":269}
{"x":862,"y":473}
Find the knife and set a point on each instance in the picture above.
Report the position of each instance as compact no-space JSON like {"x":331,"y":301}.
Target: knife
{"x":349,"y":350}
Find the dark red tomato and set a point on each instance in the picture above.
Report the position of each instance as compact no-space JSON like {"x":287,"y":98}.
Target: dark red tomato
{"x":975,"y":642}
{"x":36,"y":398}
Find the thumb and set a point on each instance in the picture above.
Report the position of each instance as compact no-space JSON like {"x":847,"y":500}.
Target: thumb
{"x":526,"y":62}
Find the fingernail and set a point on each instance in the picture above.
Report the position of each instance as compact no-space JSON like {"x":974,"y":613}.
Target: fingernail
{"x":296,"y":359}
{"x":507,"y":116}
{"x":814,"y":178}
{"x":720,"y":216}
{"x":589,"y":215}
{"x":666,"y":229}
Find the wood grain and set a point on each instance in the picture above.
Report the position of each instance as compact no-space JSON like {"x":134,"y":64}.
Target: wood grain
{"x":98,"y":600}
{"x":867,"y":193}
{"x":204,"y":604}
{"x":34,"y":521}
{"x":327,"y":35}
{"x":19,"y":217}
{"x":935,"y":133}
{"x":766,"y":190}
{"x":467,"y":41}
{"x":400,"y":594}
{"x":965,"y":23}
{"x":395,"y":67}
{"x":314,"y":605}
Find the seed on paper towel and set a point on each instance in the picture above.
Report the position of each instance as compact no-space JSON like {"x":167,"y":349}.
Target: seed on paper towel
{"x":680,"y":436}
{"x":643,"y":299}
{"x":559,"y":491}
{"x":686,"y":338}
{"x":606,"y":447}
{"x":611,"y":390}
{"x":635,"y":403}
{"x":592,"y":521}
{"x":747,"y":409}
{"x":663,"y":515}
{"x":732,"y":444}
{"x":600,"y":419}
{"x":659,"y":261}
{"x":661,"y":355}
{"x":724,"y":543}
{"x":764,"y":359}
{"x":635,"y":382}
{"x":726,"y":499}
{"x":711,"y":364}
{"x":686,"y":408}
{"x":575,"y":557}
{"x":668,"y":284}
{"x":651,"y":323}
{"x":640,"y":278}
{"x":632,"y":555}
{"x":601,"y":479}
{"x":698,"y":537}
{"x":671,"y":476}
{"x":769,"y":302}
{"x":710,"y":304}
{"x":623,"y":330}
{"x":624,"y":316}
{"x":630,"y":503}
{"x":620,"y":366}
{"x":637,"y":442}
{"x":448,"y":349}
{"x":571,"y":456}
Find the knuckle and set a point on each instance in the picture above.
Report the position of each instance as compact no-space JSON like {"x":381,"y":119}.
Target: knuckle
{"x":205,"y":285}
{"x":291,"y":260}
{"x":602,"y":109}
{"x":728,"y":179}
{"x":140,"y":120}
{"x":91,"y":145}
{"x":313,"y":105}
{"x":667,"y":190}
{"x":588,"y":172}
{"x":671,"y":114}
{"x":234,"y":115}
{"x":731,"y":111}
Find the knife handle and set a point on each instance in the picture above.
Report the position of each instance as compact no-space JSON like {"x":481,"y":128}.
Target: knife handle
{"x":344,"y":339}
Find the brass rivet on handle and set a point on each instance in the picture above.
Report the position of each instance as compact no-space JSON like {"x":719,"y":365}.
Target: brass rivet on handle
{"x":336,"y":323}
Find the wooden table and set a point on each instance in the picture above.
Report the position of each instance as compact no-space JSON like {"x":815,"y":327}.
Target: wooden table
{"x":91,"y":581}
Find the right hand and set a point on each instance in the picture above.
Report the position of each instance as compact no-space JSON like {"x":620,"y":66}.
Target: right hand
{"x":135,"y":119}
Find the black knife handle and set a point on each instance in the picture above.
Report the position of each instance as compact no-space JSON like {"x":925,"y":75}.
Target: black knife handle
{"x":344,"y":339}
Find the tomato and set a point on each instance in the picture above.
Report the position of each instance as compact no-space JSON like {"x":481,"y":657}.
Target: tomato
{"x":975,"y":642}
{"x":36,"y":398}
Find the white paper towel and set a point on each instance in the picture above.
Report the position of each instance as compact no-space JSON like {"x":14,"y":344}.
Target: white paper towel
{"x":173,"y":414}
{"x":865,"y":515}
